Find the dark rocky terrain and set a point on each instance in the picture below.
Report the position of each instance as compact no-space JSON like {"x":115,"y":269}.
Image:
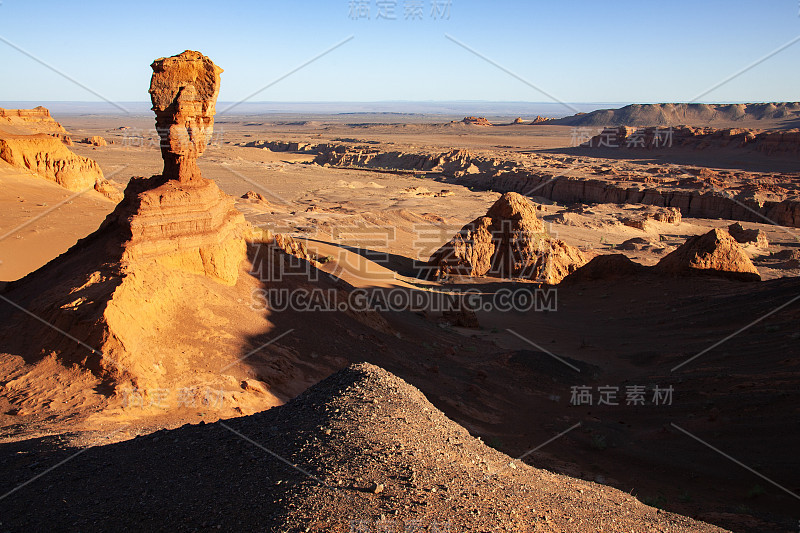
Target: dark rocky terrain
{"x":360,"y":451}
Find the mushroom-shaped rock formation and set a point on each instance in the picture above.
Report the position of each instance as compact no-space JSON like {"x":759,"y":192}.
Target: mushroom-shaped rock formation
{"x":181,"y":220}
{"x":133,"y":289}
{"x":184,"y":91}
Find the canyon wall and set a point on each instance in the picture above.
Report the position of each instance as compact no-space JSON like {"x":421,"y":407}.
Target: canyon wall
{"x":692,"y":196}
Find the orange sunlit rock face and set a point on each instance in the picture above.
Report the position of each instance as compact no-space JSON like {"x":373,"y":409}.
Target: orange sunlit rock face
{"x":184,"y":91}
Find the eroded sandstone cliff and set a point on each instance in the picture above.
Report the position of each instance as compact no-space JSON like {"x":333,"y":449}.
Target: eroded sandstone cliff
{"x":695,"y":193}
{"x":48,"y":157}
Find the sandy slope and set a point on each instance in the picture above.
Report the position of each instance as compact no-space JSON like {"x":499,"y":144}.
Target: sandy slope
{"x":39,"y":220}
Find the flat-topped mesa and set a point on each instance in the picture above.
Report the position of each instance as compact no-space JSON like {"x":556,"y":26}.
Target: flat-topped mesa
{"x":184,"y":91}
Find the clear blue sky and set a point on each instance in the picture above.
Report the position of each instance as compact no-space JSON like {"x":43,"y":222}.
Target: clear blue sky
{"x":578,"y":51}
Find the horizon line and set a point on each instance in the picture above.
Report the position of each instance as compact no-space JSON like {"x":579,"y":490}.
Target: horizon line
{"x":262,"y":102}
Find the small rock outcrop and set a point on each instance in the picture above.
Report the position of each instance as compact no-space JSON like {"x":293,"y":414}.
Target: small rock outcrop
{"x":715,"y":253}
{"x":606,"y":267}
{"x":615,"y":137}
{"x":110,"y":190}
{"x":255,"y":197}
{"x":540,"y":120}
{"x":281,"y":146}
{"x":636,"y":244}
{"x":510,"y":241}
{"x":644,"y":219}
{"x":789,"y":259}
{"x":476,"y":121}
{"x":461,"y":318}
{"x":748,"y":236}
{"x":95,"y":140}
{"x":184,"y":91}
{"x":668,"y":215}
{"x":289,"y":245}
{"x":454,"y":162}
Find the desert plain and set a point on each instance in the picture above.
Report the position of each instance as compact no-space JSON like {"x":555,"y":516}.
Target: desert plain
{"x":354,"y":321}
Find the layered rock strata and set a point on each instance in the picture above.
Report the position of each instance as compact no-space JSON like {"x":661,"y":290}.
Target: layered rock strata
{"x":697,"y":196}
{"x":49,"y":158}
{"x":139,"y":282}
{"x":184,"y":91}
{"x":510,"y":241}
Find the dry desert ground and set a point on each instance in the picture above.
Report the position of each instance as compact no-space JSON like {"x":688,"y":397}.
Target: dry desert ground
{"x":343,"y":321}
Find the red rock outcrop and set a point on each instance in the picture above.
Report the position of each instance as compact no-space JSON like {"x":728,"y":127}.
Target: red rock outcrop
{"x":110,"y":189}
{"x":451,"y":163}
{"x":95,"y":140}
{"x":290,"y":246}
{"x":778,"y":142}
{"x":687,"y":196}
{"x":715,"y":253}
{"x":476,"y":121}
{"x":37,"y":114}
{"x":255,"y":197}
{"x":280,"y":146}
{"x":790,"y":259}
{"x":638,"y":244}
{"x":30,"y":139}
{"x":124,"y":287}
{"x":748,"y":236}
{"x":463,"y":317}
{"x":509,"y":242}
{"x":184,"y":91}
{"x":49,"y":158}
{"x":649,"y":214}
{"x":28,"y":121}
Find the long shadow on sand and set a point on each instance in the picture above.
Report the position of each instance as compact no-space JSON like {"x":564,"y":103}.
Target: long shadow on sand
{"x":636,"y":332}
